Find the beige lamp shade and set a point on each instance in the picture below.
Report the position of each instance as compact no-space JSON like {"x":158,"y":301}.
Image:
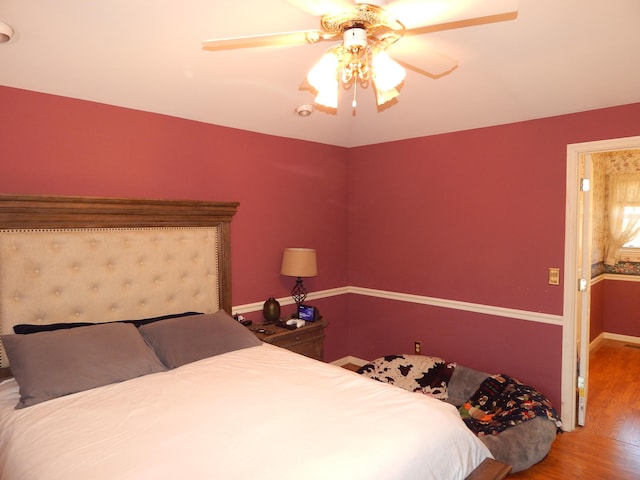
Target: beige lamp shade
{"x":299,"y":262}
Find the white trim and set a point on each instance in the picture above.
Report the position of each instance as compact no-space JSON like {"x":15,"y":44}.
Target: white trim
{"x":419,"y":299}
{"x":615,"y":276}
{"x":596,"y":341}
{"x":332,"y":292}
{"x":613,"y":336}
{"x":622,"y":338}
{"x":457,"y":305}
{"x":611,"y":145}
{"x":569,"y":343}
{"x":621,"y":278}
{"x":257,"y":306}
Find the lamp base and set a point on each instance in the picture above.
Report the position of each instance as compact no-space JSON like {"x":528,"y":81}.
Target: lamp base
{"x":298,"y":293}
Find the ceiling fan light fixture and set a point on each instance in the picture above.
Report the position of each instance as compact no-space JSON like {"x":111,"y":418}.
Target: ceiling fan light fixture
{"x":367,"y":30}
{"x":384,"y":96}
{"x":341,"y":65}
{"x":361,"y":60}
{"x":323,"y":75}
{"x":328,"y":97}
{"x":387,"y":73}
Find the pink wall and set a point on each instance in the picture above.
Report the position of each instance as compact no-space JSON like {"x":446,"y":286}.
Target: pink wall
{"x":487,"y":343}
{"x":621,"y":307}
{"x":56,"y":145}
{"x":474,"y":216}
{"x":596,"y":320}
{"x":615,"y":308}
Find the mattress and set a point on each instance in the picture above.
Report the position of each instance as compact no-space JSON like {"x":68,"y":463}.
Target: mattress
{"x":259,"y":413}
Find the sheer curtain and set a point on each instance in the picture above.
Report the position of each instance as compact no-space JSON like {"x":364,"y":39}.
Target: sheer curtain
{"x":624,"y":191}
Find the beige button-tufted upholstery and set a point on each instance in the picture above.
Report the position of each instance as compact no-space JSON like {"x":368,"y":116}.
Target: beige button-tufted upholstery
{"x":99,"y":275}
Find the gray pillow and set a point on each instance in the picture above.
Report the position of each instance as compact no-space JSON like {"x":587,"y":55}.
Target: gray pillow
{"x":48,"y":365}
{"x":178,"y":341}
{"x":463,"y":383}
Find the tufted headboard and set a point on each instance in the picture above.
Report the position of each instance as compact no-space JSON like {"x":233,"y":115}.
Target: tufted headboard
{"x":85,"y":259}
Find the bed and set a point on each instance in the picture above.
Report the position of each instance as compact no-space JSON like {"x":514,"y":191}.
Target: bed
{"x":130,"y":366}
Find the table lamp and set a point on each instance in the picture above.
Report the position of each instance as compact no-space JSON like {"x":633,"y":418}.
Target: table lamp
{"x":299,"y":262}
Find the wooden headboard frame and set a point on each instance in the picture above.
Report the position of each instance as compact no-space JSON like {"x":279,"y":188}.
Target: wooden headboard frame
{"x":62,"y":212}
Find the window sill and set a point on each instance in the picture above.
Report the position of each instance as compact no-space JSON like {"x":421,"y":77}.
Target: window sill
{"x":630,"y":255}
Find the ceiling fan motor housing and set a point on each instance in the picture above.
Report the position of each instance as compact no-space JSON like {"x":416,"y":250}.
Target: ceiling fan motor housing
{"x":355,"y":38}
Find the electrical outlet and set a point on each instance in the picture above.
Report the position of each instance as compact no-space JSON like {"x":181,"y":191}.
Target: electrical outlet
{"x":417,"y":347}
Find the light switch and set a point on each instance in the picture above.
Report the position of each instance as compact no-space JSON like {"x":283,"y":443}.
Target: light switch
{"x":554,"y":276}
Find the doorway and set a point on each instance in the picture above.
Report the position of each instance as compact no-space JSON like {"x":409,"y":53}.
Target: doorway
{"x":575,"y":310}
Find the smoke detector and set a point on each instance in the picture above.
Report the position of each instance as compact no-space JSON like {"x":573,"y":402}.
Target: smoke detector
{"x":6,"y":33}
{"x":304,"y":110}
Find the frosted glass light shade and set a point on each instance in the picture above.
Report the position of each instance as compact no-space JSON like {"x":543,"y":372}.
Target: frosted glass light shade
{"x":387,"y":73}
{"x":328,"y":97}
{"x":323,"y":75}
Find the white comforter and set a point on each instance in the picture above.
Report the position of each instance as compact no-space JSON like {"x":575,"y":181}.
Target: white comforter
{"x":259,"y":413}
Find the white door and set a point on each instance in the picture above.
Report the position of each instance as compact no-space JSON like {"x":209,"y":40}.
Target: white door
{"x":583,"y":263}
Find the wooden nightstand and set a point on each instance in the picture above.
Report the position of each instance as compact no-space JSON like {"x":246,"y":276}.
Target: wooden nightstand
{"x":307,"y":340}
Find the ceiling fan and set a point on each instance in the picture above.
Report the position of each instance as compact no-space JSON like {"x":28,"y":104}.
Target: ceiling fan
{"x":366,"y":31}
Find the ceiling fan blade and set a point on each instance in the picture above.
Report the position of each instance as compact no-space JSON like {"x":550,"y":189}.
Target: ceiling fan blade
{"x":418,"y":56}
{"x":267,"y":40}
{"x":436,"y":15}
{"x":317,"y":8}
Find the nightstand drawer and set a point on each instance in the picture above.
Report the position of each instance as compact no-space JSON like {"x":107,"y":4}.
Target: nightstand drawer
{"x":308,"y":340}
{"x":297,"y":336}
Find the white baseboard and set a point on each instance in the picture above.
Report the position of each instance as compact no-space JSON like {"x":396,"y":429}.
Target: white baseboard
{"x":613,"y":336}
{"x":596,"y":341}
{"x":622,"y":338}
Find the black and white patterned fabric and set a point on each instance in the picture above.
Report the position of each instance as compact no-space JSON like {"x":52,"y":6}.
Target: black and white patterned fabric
{"x":415,"y":373}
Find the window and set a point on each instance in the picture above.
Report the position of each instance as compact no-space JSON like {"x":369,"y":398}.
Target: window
{"x":623,"y":209}
{"x":631,"y":214}
{"x":630,"y":251}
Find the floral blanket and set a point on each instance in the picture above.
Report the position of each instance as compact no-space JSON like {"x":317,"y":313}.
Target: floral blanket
{"x":501,"y":402}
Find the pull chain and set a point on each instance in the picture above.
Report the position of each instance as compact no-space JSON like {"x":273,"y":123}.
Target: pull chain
{"x":354,"y":103}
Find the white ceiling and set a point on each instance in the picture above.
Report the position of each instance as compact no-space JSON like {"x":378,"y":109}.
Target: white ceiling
{"x":556,"y":57}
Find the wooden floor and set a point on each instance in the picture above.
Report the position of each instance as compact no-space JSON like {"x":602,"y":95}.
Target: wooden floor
{"x":608,"y":446}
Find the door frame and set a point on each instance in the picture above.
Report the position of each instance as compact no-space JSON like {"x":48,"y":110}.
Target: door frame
{"x":569,"y":345}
